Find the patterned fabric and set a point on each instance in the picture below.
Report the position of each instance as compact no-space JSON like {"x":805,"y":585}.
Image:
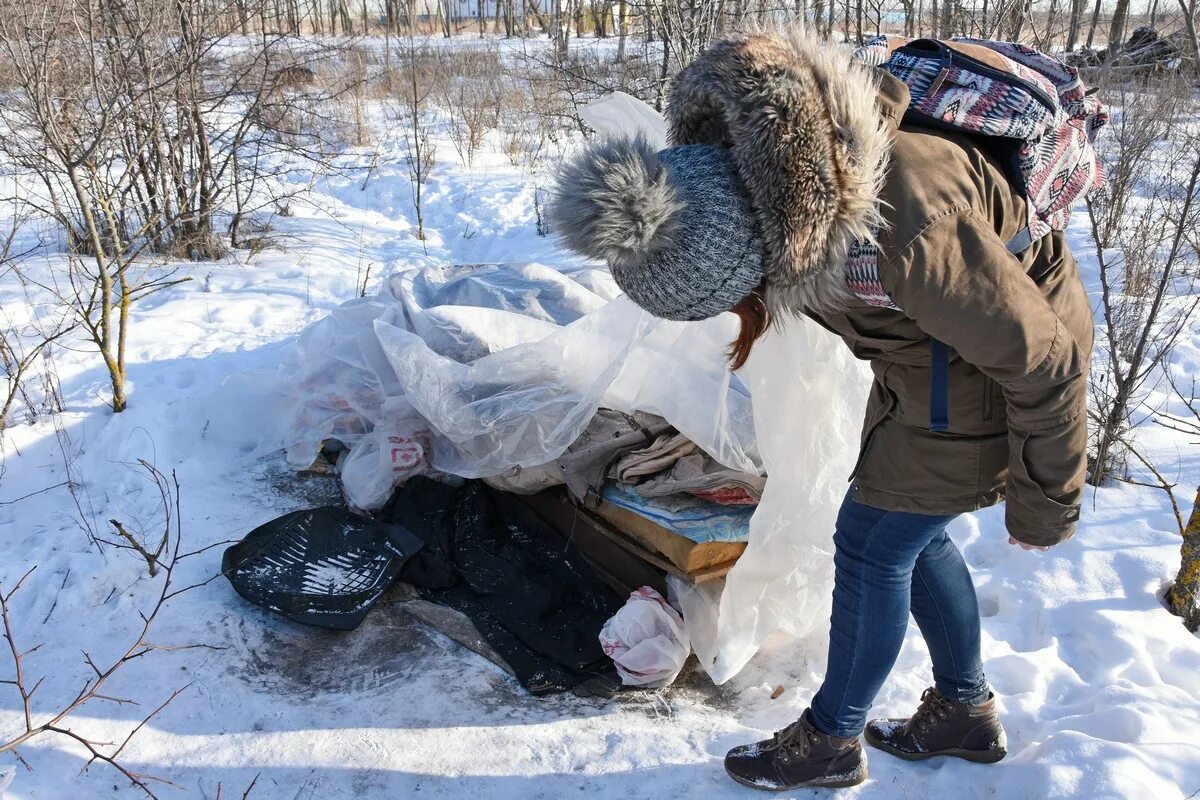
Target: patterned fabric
{"x":862,"y":276}
{"x":1061,"y":166}
{"x":1035,"y":99}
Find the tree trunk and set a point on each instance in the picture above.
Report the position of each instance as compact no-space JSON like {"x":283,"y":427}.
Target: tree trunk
{"x":1073,"y":24}
{"x":1021,"y":10}
{"x":1047,"y":43}
{"x":909,"y":22}
{"x":1091,"y":37}
{"x":665,"y":67}
{"x":621,"y":11}
{"x":1116,"y":33}
{"x":1189,"y":23}
{"x":1183,"y":598}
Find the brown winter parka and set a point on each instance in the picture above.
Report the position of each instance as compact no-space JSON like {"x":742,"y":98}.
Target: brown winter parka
{"x":1020,"y":332}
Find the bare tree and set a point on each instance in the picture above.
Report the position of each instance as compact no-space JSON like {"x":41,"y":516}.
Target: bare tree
{"x":1116,"y":31}
{"x":26,"y":332}
{"x":1143,"y":228}
{"x":1075,"y":18}
{"x":468,"y":92}
{"x":119,"y":118}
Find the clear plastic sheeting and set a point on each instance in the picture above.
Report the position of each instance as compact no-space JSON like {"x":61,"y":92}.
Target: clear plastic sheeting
{"x":473,"y":370}
{"x":809,"y":396}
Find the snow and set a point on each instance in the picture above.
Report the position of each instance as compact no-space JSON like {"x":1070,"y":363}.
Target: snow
{"x":1098,"y":686}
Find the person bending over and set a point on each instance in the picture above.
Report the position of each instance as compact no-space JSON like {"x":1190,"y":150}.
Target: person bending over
{"x":793,"y":188}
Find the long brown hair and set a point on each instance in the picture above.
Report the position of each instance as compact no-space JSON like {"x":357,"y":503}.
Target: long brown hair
{"x":754,"y":319}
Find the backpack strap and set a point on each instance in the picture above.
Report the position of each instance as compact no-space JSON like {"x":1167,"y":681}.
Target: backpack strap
{"x":1020,"y":242}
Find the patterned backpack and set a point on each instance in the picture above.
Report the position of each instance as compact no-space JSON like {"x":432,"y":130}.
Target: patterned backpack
{"x":1029,"y":109}
{"x":1035,"y":113}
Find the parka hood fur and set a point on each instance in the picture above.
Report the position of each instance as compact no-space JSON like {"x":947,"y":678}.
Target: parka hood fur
{"x":812,"y":148}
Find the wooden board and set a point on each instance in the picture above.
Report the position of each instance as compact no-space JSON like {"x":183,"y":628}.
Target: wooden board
{"x":691,"y":557}
{"x":616,"y":556}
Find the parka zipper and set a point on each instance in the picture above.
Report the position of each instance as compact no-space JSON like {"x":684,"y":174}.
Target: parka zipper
{"x":989,"y":399}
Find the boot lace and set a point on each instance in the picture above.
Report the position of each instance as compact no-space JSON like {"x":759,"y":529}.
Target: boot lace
{"x":793,"y":742}
{"x":933,"y":709}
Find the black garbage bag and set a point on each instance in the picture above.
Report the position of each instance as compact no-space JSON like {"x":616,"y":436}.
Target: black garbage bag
{"x":534,"y":599}
{"x":321,"y":566}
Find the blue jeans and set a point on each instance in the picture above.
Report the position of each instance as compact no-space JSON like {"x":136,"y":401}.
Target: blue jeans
{"x":886,"y":564}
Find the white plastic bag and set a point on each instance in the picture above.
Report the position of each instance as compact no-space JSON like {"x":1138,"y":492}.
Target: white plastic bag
{"x":6,"y":779}
{"x":619,"y":113}
{"x":646,"y":640}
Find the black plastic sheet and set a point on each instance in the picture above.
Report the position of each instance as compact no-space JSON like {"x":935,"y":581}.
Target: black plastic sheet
{"x":534,"y":599}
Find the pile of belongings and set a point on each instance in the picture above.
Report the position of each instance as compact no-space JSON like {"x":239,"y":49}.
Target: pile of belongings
{"x":547,"y":413}
{"x":1146,"y":51}
{"x":538,"y":560}
{"x":652,"y":485}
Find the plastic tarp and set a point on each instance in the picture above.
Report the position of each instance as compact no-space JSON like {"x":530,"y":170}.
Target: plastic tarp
{"x":471,"y":370}
{"x":474,"y":370}
{"x":809,"y":397}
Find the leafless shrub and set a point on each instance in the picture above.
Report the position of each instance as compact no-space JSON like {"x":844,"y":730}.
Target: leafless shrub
{"x":58,"y":721}
{"x":469,"y":93}
{"x":137,"y":132}
{"x":1143,"y":228}
{"x":411,"y":87}
{"x":26,"y":334}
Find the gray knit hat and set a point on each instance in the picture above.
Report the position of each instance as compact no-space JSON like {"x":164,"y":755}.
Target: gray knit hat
{"x":676,"y":227}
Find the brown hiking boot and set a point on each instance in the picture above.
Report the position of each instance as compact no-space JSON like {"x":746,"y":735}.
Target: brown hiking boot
{"x":942,"y":727}
{"x":798,"y":756}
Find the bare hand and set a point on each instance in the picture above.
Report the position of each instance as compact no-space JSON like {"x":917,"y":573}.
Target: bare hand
{"x":1024,"y":546}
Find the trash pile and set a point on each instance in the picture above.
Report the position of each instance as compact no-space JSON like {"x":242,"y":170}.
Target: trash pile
{"x":1146,"y":51}
{"x":528,"y":449}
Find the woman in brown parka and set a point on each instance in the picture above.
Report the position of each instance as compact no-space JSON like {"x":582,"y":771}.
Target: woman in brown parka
{"x":791,"y":187}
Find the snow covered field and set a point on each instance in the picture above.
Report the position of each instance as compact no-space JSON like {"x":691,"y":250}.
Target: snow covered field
{"x":1098,"y":684}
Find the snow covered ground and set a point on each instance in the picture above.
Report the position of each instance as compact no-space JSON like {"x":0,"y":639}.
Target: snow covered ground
{"x":1099,"y":685}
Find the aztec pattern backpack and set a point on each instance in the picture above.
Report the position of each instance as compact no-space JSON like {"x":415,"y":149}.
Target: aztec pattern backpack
{"x":1029,"y":109}
{"x":1035,"y":113}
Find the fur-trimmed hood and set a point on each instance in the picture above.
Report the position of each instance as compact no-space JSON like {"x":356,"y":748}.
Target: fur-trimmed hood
{"x":811,"y":145}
